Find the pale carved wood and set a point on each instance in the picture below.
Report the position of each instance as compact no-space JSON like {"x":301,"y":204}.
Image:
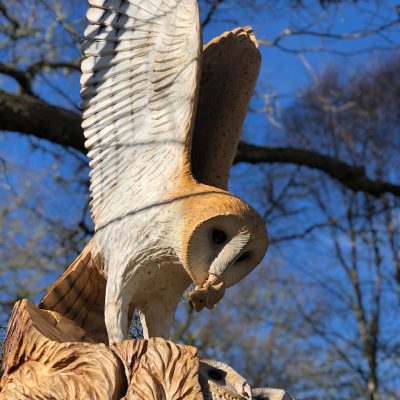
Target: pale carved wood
{"x":79,"y":295}
{"x":214,"y":147}
{"x":48,"y":357}
{"x":230,"y":68}
{"x":221,"y":382}
{"x":160,"y":370}
{"x":153,"y":220}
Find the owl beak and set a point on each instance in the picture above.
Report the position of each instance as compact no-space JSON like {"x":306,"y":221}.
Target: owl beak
{"x":246,"y":391}
{"x":209,"y":294}
{"x":212,"y":291}
{"x":229,"y":253}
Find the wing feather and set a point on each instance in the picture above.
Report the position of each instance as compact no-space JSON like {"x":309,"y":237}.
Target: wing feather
{"x":139,"y":87}
{"x":230,"y":67}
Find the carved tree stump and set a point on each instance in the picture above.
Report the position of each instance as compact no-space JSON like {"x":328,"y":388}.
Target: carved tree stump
{"x":49,"y":357}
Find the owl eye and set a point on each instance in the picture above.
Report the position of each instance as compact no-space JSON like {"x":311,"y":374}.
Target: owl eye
{"x":218,"y":237}
{"x":215,"y":374}
{"x":243,"y":257}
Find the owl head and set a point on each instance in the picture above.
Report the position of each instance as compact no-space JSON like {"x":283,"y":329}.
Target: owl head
{"x":219,"y":381}
{"x":222,"y":236}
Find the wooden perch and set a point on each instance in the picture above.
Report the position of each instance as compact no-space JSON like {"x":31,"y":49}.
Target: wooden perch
{"x":48,"y":357}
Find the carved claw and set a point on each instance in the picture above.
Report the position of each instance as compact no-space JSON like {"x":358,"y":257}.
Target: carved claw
{"x":209,"y":294}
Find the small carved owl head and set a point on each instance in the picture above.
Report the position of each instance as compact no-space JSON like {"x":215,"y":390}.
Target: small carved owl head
{"x":220,"y":382}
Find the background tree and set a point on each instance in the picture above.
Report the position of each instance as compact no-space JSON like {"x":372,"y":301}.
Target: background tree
{"x":319,"y":161}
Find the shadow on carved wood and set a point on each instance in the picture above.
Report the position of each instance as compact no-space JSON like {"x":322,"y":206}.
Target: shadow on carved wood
{"x":48,"y":357}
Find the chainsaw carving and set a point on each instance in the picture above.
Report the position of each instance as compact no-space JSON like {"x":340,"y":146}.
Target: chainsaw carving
{"x":48,"y":357}
{"x":162,"y":120}
{"x":220,"y":382}
{"x":79,"y":295}
{"x":157,"y":369}
{"x":217,"y":129}
{"x":158,"y":228}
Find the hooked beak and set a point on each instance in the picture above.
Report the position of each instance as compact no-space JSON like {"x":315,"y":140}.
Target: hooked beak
{"x":212,"y":291}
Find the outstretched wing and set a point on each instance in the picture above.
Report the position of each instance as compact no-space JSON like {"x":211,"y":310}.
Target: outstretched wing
{"x":230,"y":67}
{"x":139,"y":86}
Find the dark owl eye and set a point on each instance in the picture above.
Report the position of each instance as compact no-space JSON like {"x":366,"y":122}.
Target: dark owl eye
{"x":218,"y":237}
{"x":215,"y":374}
{"x":243,"y":257}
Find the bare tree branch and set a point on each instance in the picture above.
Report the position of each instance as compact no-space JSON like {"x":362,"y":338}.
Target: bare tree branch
{"x":35,"y":68}
{"x":13,"y":20}
{"x":32,"y":116}
{"x":327,"y":35}
{"x":21,"y":77}
{"x":211,"y":12}
{"x":350,"y":176}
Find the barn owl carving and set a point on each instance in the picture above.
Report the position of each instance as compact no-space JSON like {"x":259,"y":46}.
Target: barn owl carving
{"x":219,"y":381}
{"x":163,"y":217}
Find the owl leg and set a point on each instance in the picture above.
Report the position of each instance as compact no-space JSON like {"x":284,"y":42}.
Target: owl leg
{"x":157,"y":316}
{"x":117,"y":311}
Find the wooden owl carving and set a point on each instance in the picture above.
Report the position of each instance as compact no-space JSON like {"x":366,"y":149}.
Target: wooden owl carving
{"x":162,"y":215}
{"x":219,"y":381}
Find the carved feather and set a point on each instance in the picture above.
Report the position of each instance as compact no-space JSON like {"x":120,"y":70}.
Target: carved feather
{"x":230,"y":67}
{"x":160,"y":369}
{"x":79,"y":295}
{"x":139,"y":86}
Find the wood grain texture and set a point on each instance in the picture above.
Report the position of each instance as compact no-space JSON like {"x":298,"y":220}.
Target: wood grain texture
{"x":160,"y":370}
{"x":230,"y":68}
{"x":48,"y":357}
{"x":231,"y":63}
{"x":153,"y":220}
{"x":79,"y":295}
